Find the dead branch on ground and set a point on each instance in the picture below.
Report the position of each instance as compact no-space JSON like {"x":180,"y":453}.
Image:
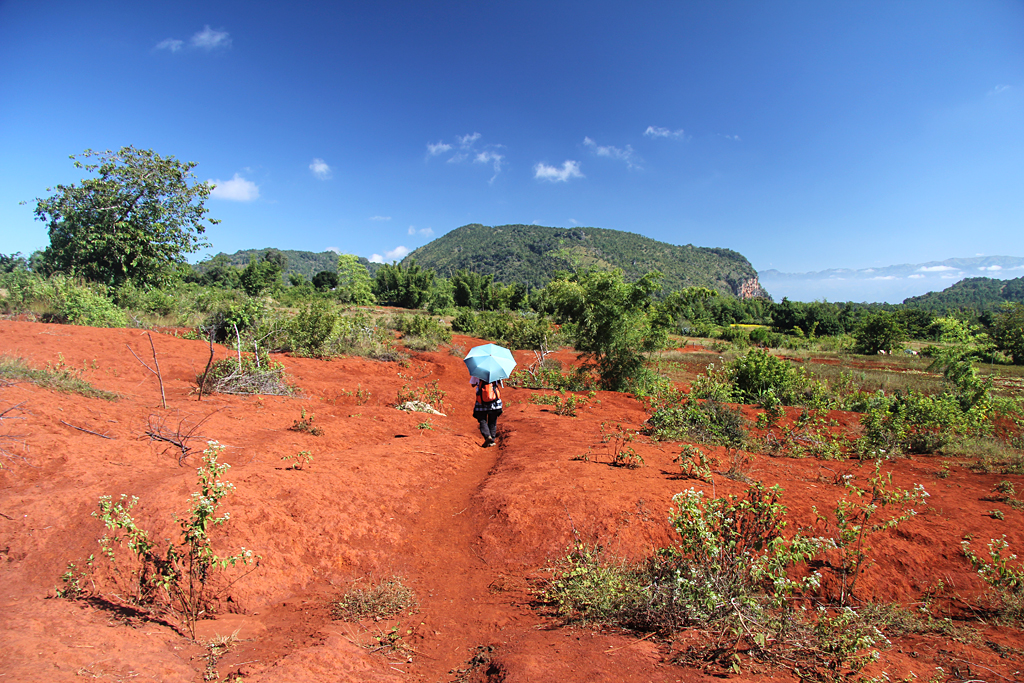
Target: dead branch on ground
{"x":178,"y":437}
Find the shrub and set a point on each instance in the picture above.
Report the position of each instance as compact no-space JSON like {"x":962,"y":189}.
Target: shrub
{"x":421,"y":332}
{"x":177,"y":578}
{"x":247,"y":374}
{"x":82,"y":304}
{"x":759,"y":372}
{"x":706,"y":421}
{"x":313,"y":328}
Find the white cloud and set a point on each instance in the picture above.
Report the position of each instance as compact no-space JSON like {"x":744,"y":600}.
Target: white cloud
{"x":916,"y":276}
{"x":573,"y":221}
{"x":380,"y":218}
{"x":627,"y":154}
{"x":320,"y":169}
{"x":1000,"y":88}
{"x":208,"y":39}
{"x":996,"y":267}
{"x":950,"y":277}
{"x":490,"y":157}
{"x":1017,"y":268}
{"x":935,"y":269}
{"x":570,"y":169}
{"x":396,"y":254}
{"x":885,"y":277}
{"x":426,"y":232}
{"x":334,"y":249}
{"x":466,"y":141}
{"x":659,"y":132}
{"x":440,"y":147}
{"x":734,"y":138}
{"x":172,"y":44}
{"x":238,"y":189}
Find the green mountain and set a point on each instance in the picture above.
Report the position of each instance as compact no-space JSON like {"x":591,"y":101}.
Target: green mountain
{"x":979,"y":293}
{"x":531,"y":254}
{"x":307,"y":263}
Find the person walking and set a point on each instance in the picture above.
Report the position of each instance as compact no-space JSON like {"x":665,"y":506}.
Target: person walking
{"x":487,"y":408}
{"x":488,"y":364}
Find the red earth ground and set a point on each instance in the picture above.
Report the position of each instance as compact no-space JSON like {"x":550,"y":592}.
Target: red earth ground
{"x":392,"y":493}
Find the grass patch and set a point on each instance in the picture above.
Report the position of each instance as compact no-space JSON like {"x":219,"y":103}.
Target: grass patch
{"x":57,"y":377}
{"x":379,"y":601}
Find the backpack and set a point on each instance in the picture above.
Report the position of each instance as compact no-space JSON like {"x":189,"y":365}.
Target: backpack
{"x":488,"y":392}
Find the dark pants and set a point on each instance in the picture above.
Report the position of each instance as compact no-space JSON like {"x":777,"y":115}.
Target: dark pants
{"x":488,"y":423}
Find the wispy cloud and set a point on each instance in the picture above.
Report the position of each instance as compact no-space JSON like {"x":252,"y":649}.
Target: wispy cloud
{"x":396,"y":254}
{"x":570,"y":169}
{"x":627,"y":154}
{"x":993,"y":268}
{"x":209,"y":39}
{"x":464,"y":148}
{"x":734,"y":138}
{"x":334,"y":249}
{"x":172,"y":44}
{"x":916,"y":276}
{"x":486,"y":157}
{"x":238,"y":189}
{"x":659,"y":132}
{"x":320,"y":169}
{"x":425,"y":232}
{"x":935,"y":269}
{"x":1001,"y":88}
{"x":436,"y":148}
{"x":380,"y":218}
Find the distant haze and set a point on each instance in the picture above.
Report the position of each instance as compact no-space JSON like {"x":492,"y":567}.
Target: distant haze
{"x":890,"y":284}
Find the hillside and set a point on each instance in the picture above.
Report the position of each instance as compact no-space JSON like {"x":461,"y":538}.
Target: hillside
{"x":307,"y":263}
{"x":979,"y":293}
{"x":532,"y":254}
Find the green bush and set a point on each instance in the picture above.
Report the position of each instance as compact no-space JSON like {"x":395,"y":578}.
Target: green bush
{"x":249,"y":375}
{"x":758,"y":372}
{"x":312,"y":329}
{"x":706,"y":421}
{"x":421,"y":332}
{"x":82,"y":304}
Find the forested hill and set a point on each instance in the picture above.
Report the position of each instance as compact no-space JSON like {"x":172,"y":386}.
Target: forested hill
{"x":979,"y":293}
{"x":307,"y":263}
{"x":531,"y":254}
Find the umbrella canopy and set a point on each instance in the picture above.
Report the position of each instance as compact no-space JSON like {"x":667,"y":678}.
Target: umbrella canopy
{"x":490,"y":362}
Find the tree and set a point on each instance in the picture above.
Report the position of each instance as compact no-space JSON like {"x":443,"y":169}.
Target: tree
{"x":880,"y":331}
{"x":354,"y":282}
{"x":614,"y":324}
{"x":261,"y":275}
{"x":325,"y":280}
{"x":135,"y":222}
{"x":1008,"y":331}
{"x":406,"y":287}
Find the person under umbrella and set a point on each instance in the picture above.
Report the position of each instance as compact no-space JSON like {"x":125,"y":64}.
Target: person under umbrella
{"x":488,"y":365}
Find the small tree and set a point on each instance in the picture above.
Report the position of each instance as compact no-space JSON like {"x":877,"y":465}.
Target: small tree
{"x":135,"y":222}
{"x":354,"y":282}
{"x":881,"y":331}
{"x":614,"y":324}
{"x":1009,"y":331}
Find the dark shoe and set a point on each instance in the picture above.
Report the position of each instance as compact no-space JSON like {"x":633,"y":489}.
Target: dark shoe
{"x":488,"y":442}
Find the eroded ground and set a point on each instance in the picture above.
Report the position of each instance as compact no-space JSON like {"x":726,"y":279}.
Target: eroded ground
{"x":392,"y":493}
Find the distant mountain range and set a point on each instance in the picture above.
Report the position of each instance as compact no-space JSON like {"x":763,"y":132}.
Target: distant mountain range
{"x":891,"y":284}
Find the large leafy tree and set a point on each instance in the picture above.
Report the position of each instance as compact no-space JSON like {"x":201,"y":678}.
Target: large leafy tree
{"x":614,"y":324}
{"x":134,"y":221}
{"x":354,"y":282}
{"x":1009,"y":331}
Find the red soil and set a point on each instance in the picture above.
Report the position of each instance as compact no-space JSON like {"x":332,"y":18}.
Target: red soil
{"x":470,"y":529}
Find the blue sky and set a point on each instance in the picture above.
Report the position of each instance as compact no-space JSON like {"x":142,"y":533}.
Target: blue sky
{"x":805,"y":135}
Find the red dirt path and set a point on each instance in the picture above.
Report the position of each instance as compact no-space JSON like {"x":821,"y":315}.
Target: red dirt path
{"x":469,"y":528}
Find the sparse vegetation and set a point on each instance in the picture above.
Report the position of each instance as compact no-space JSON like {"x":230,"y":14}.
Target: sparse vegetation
{"x":375,"y":600}
{"x":55,"y":376}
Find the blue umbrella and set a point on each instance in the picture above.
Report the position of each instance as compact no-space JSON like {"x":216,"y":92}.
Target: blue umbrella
{"x":490,"y":362}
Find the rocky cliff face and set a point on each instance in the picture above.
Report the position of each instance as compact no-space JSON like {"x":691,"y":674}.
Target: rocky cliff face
{"x":752,"y":289}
